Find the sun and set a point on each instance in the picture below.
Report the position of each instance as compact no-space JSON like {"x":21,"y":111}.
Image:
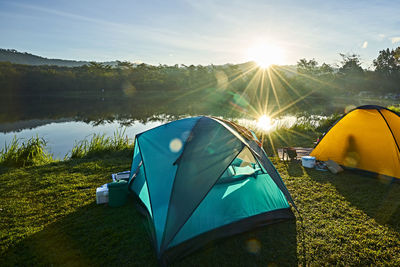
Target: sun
{"x":265,"y":123}
{"x":265,"y":55}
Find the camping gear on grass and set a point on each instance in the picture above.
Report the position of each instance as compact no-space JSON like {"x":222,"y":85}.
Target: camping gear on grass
{"x":289,"y":152}
{"x":320,"y":166}
{"x":333,"y":166}
{"x":120,"y":176}
{"x":102,"y":194}
{"x":367,"y":138}
{"x":117,"y":193}
{"x":119,"y":190}
{"x":298,"y":152}
{"x":308,"y":161}
{"x":202,"y":178}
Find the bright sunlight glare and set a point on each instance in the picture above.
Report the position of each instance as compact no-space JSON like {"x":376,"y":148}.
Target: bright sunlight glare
{"x":264,"y":123}
{"x":265,"y":55}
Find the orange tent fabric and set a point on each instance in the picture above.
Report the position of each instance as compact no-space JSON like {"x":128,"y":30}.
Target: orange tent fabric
{"x":366,"y":138}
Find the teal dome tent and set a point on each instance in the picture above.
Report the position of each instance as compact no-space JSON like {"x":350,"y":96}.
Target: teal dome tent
{"x":202,"y":178}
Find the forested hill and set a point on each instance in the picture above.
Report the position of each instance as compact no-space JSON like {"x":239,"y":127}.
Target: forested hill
{"x":245,"y":83}
{"x":13,"y":56}
{"x":222,"y":90}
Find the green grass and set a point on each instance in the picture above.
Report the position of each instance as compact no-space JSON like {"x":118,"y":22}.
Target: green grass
{"x":349,"y":219}
{"x":32,"y":152}
{"x":20,"y":153}
{"x":100,"y":144}
{"x":49,"y":217}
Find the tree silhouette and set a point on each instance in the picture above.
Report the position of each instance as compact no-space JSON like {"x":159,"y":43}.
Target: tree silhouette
{"x":350,"y":64}
{"x":388,"y":62}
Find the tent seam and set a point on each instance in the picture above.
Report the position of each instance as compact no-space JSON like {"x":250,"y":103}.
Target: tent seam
{"x":232,"y":131}
{"x":333,"y":125}
{"x":255,"y":154}
{"x":173,"y":185}
{"x":344,"y":115}
{"x":276,"y":173}
{"x":230,"y":165}
{"x":190,"y":215}
{"x":376,"y":107}
{"x":148,"y":191}
{"x":390,"y":129}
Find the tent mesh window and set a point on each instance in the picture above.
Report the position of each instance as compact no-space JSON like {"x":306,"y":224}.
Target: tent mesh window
{"x":242,"y":167}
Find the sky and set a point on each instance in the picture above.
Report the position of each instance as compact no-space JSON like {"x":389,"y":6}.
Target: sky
{"x":199,"y":31}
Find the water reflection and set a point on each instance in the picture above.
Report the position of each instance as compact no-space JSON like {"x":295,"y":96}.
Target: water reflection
{"x":62,"y":121}
{"x":281,"y":122}
{"x":61,"y":136}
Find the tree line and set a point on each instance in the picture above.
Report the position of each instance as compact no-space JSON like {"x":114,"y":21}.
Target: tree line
{"x":98,"y":77}
{"x":349,"y":76}
{"x":238,"y":86}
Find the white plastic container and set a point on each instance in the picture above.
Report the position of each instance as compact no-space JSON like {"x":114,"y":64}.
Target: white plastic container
{"x":120,"y":176}
{"x":102,"y":194}
{"x":308,"y":161}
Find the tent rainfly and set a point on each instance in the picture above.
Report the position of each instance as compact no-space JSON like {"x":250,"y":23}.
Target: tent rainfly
{"x":367,"y":138}
{"x":202,"y":178}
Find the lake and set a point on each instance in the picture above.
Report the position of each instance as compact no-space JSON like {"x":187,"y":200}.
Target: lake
{"x":61,"y":135}
{"x":64,"y":121}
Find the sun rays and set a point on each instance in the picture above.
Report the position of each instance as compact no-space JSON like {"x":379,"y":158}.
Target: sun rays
{"x":266,"y":91}
{"x":264,"y":122}
{"x":265,"y":55}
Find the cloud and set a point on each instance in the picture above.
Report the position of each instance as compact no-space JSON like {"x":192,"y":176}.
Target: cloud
{"x":160,"y":35}
{"x":395,"y":40}
{"x":365,"y":44}
{"x":381,"y":36}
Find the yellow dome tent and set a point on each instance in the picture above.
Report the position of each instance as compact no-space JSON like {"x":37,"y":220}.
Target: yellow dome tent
{"x":367,"y":138}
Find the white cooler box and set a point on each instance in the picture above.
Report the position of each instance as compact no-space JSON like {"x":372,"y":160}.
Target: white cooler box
{"x":102,"y":194}
{"x":308,"y":161}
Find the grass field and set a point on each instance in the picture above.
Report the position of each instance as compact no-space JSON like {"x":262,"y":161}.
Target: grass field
{"x":48,"y":216}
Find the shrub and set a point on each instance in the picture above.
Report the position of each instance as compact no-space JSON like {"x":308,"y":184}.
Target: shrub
{"x":21,"y":153}
{"x":327,"y":123}
{"x":395,"y":108}
{"x":99,"y":144}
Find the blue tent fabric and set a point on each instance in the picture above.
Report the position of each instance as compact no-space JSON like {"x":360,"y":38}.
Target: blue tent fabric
{"x":272,"y":171}
{"x":228,"y":203}
{"x":193,"y":180}
{"x":203,"y":162}
{"x":264,"y":160}
{"x":158,"y":154}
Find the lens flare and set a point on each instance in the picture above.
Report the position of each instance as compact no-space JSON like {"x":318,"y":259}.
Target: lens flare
{"x":128,"y":89}
{"x":175,"y":145}
{"x":264,"y":123}
{"x":253,"y":246}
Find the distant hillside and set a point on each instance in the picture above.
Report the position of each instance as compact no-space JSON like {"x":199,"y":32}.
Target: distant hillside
{"x":16,"y":57}
{"x":13,"y":56}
